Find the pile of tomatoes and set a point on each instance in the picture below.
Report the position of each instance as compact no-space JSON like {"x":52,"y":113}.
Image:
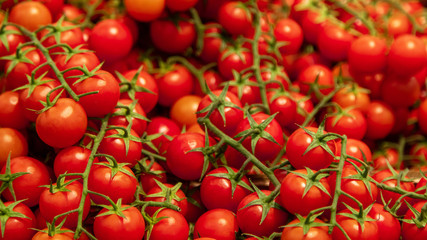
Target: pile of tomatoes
{"x":213,"y":119}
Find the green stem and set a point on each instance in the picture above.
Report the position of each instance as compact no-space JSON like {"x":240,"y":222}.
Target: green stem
{"x":319,"y":106}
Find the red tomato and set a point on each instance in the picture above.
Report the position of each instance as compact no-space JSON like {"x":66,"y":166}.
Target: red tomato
{"x":288,"y":31}
{"x":72,"y":159}
{"x":284,"y":106}
{"x":213,"y":43}
{"x":17,"y":228}
{"x":27,"y":186}
{"x":314,"y":233}
{"x":166,"y":128}
{"x":87,"y":59}
{"x":352,"y":96}
{"x":367,"y":54}
{"x":73,"y":37}
{"x":388,"y":226}
{"x":235,"y":17}
{"x":30,"y":14}
{"x":292,"y":190}
{"x":174,"y":84}
{"x":382,"y":157}
{"x":334,"y":42}
{"x":58,"y":200}
{"x":317,"y":158}
{"x":349,"y":122}
{"x":400,"y":91}
{"x":183,"y":110}
{"x":380,"y":120}
{"x":159,"y":193}
{"x":398,"y":24}
{"x":234,"y":58}
{"x":219,"y":189}
{"x":62,"y":234}
{"x":366,"y":230}
{"x":356,"y":149}
{"x":422,"y":116}
{"x":220,"y":224}
{"x":126,"y":109}
{"x":13,"y":40}
{"x":172,"y":226}
{"x":144,"y":10}
{"x":180,"y":5}
{"x":63,"y":124}
{"x":249,"y":217}
{"x":410,"y":230}
{"x":319,"y":73}
{"x":147,"y":99}
{"x":182,"y":32}
{"x":151,"y":172}
{"x":113,"y":226}
{"x":12,"y":144}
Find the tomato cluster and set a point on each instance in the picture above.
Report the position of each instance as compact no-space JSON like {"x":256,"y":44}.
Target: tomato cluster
{"x":213,"y":119}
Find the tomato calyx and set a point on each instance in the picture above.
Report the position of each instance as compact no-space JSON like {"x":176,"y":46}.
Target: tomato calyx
{"x":257,"y":131}
{"x":235,"y":179}
{"x":420,"y":217}
{"x":265,"y":201}
{"x":61,"y":184}
{"x":320,"y":139}
{"x":361,"y":215}
{"x":312,"y":179}
{"x":53,"y":229}
{"x":7,"y":212}
{"x":20,"y":56}
{"x":168,"y":193}
{"x":362,"y":175}
{"x":307,"y":222}
{"x":115,"y":167}
{"x":130,"y":86}
{"x":208,"y":154}
{"x":33,"y":83}
{"x":125,"y":134}
{"x":128,"y":112}
{"x":8,"y":177}
{"x":152,"y":220}
{"x":241,"y":81}
{"x":114,"y":209}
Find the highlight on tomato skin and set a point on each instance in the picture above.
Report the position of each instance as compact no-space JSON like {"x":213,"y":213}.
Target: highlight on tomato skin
{"x":213,"y":119}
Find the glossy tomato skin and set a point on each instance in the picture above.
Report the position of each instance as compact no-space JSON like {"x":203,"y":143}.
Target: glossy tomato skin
{"x":106,"y":98}
{"x":381,"y":158}
{"x":148,"y":100}
{"x":73,"y":37}
{"x":233,"y":115}
{"x":63,"y":124}
{"x":422,"y":116}
{"x":284,"y":106}
{"x":138,"y":125}
{"x":12,"y":144}
{"x":334,"y":42}
{"x":166,"y":128}
{"x":249,"y":218}
{"x":220,"y":224}
{"x":238,"y":60}
{"x":352,"y":125}
{"x":235,"y":18}
{"x":265,"y":150}
{"x":411,"y":231}
{"x":163,"y":30}
{"x":174,"y":84}
{"x":352,"y":97}
{"x":380,"y":120}
{"x":291,"y":194}
{"x":367,"y":54}
{"x":308,"y":76}
{"x":19,"y":228}
{"x":66,"y":235}
{"x":106,"y":35}
{"x":148,"y":179}
{"x":314,"y":233}
{"x":173,"y":226}
{"x":144,"y":10}
{"x":121,"y":185}
{"x":216,"y":192}
{"x":112,"y":226}
{"x":179,"y":199}
{"x":357,"y":149}
{"x":182,"y":163}
{"x":13,"y":41}
{"x":116,"y":147}
{"x":353,"y":228}
{"x":30,"y":15}
{"x":27,"y":186}
{"x":55,"y":203}
{"x":317,"y":158}
{"x":212,"y":44}
{"x":288,"y":30}
{"x":388,"y":226}
{"x":88,"y":59}
{"x":71,"y":160}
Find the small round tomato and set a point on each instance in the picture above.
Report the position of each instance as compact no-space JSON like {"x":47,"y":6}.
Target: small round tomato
{"x":314,"y":233}
{"x":317,"y":76}
{"x":12,"y":144}
{"x":388,"y":225}
{"x":380,"y":120}
{"x":292,"y":195}
{"x":167,"y":129}
{"x":63,"y":124}
{"x":249,"y":217}
{"x":354,"y":229}
{"x":147,"y":99}
{"x":17,"y":228}
{"x":349,"y":122}
{"x":234,"y":58}
{"x":400,"y":91}
{"x":411,"y":230}
{"x":352,"y":96}
{"x":73,"y":37}
{"x":144,"y":10}
{"x":72,"y":159}
{"x":27,"y":186}
{"x":381,"y":158}
{"x":172,"y":226}
{"x":235,"y":17}
{"x":87,"y":59}
{"x":152,"y":172}
{"x":61,"y":199}
{"x":166,"y":192}
{"x":126,"y":109}
{"x":30,"y":14}
{"x":183,"y":111}
{"x":130,"y":226}
{"x":357,"y":149}
{"x":288,"y":31}
{"x":317,"y":158}
{"x":367,"y":54}
{"x":220,"y":224}
{"x":174,"y":84}
{"x":334,"y":42}
{"x":284,"y":106}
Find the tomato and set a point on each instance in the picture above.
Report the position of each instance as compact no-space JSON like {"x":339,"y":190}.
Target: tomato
{"x":182,"y":163}
{"x":352,"y":96}
{"x":398,"y":24}
{"x":172,"y":226}
{"x":183,"y":111}
{"x":249,"y":217}
{"x":334,"y":42}
{"x":174,"y":84}
{"x":17,"y":228}
{"x":381,"y":158}
{"x":310,"y":26}
{"x":388,"y":225}
{"x":264,"y":149}
{"x":357,"y":149}
{"x":30,"y":103}
{"x":314,"y":233}
{"x":159,"y":193}
{"x":232,"y":115}
{"x":63,"y":124}
{"x":316,"y":76}
{"x":62,"y":234}
{"x":209,"y":9}
{"x":410,"y":230}
{"x":27,"y":186}
{"x":106,"y":35}
{"x":288,"y":31}
{"x":365,"y":230}
{"x":284,"y":106}
{"x":166,"y":128}
{"x":317,"y":158}
{"x":305,"y":60}
{"x":367,"y":54}
{"x":380,"y":120}
{"x":213,"y":43}
{"x":112,"y":181}
{"x":220,"y":189}
{"x":182,"y":31}
{"x":72,"y":159}
{"x":292,"y":193}
{"x":12,"y":40}
{"x":220,"y":224}
{"x":61,"y":199}
{"x":147,"y":99}
{"x":349,"y":122}
{"x":370,"y":81}
{"x":73,"y":37}
{"x":355,"y":187}
{"x":304,"y":107}
{"x":71,"y":13}
{"x":87,"y":59}
{"x":235,"y":17}
{"x":144,"y":10}
{"x":125,"y":108}
{"x":400,"y":91}
{"x":180,"y":5}
{"x":212,"y":79}
{"x":407,"y":55}
{"x":151,"y":172}
{"x":115,"y":146}
{"x":234,"y":58}
{"x":13,"y":144}
{"x":113,"y":226}
{"x":30,"y":14}
{"x":102,"y":102}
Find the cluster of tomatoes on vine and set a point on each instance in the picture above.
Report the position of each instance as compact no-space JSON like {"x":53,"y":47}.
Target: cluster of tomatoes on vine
{"x":156,"y":119}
